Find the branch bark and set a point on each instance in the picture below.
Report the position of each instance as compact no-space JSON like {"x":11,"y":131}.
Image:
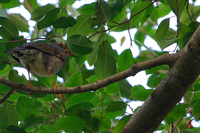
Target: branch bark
{"x":133,"y":70}
{"x":181,"y":75}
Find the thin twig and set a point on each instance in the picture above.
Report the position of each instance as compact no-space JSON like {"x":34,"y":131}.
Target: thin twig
{"x":64,"y":108}
{"x":172,"y":125}
{"x":101,"y":113}
{"x":51,"y":105}
{"x":189,"y":15}
{"x":15,"y":41}
{"x":7,"y":95}
{"x":126,"y":22}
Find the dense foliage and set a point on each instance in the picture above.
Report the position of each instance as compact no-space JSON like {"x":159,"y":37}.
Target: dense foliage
{"x":86,"y":31}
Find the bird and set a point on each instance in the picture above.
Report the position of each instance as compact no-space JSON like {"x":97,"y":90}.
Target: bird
{"x":41,"y":59}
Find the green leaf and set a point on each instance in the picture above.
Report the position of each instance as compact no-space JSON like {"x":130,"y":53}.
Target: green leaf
{"x":30,"y":5}
{"x":13,"y":76}
{"x":94,"y":124}
{"x":148,"y":13}
{"x":11,"y":4}
{"x":180,"y":4}
{"x":87,"y":8}
{"x":41,"y":11}
{"x":184,"y":29}
{"x":105,"y":123}
{"x":74,"y":109}
{"x":79,"y":98}
{"x":104,"y":11}
{"x":15,"y":129}
{"x":26,"y":106}
{"x":80,"y":61}
{"x":153,"y":70}
{"x":137,"y":88}
{"x":49,"y":18}
{"x":162,"y":30}
{"x":116,"y":8}
{"x":3,"y":65}
{"x":49,"y":128}
{"x":80,"y":44}
{"x":184,"y":40}
{"x":106,"y":131}
{"x":185,"y":18}
{"x":32,"y":121}
{"x":140,"y":37}
{"x":5,"y":1}
{"x":64,"y":22}
{"x":105,"y":47}
{"x":85,"y":115}
{"x":71,"y":124}
{"x":150,"y":80}
{"x":64,"y":71}
{"x":8,"y":30}
{"x":158,"y":79}
{"x":121,"y":124}
{"x":8,"y":115}
{"x":125,"y":60}
{"x":125,"y":88}
{"x":112,"y":88}
{"x":177,"y":112}
{"x":74,"y":80}
{"x":165,"y":43}
{"x":93,"y":56}
{"x":141,"y":95}
{"x":196,"y":111}
{"x":116,"y":106}
{"x":46,"y":80}
{"x":20,"y":22}
{"x":139,"y":6}
{"x":105,"y":66}
{"x":82,"y":27}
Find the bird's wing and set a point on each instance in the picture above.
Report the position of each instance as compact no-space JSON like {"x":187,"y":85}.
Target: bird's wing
{"x":49,"y":48}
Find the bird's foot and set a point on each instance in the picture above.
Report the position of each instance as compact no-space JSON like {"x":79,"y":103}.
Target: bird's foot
{"x":30,"y":85}
{"x":54,"y":90}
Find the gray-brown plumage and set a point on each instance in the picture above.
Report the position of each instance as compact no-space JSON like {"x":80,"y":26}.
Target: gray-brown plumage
{"x":41,"y":59}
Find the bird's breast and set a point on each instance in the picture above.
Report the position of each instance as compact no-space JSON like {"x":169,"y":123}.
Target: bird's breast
{"x":44,"y":61}
{"x":37,"y":66}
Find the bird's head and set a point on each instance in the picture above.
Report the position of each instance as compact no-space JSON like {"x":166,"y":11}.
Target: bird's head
{"x":66,"y":49}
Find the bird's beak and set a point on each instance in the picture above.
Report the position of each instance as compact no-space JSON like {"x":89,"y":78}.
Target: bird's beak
{"x":69,"y":53}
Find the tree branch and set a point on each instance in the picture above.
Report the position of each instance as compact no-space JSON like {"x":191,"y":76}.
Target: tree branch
{"x":6,"y":96}
{"x":134,"y":69}
{"x":170,"y":91}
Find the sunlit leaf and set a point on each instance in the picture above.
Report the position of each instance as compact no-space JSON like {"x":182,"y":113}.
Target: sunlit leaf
{"x":8,"y":30}
{"x":74,"y":80}
{"x":164,"y":43}
{"x":41,"y":11}
{"x":82,"y":27}
{"x":139,"y":6}
{"x":162,"y":30}
{"x":125,"y":60}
